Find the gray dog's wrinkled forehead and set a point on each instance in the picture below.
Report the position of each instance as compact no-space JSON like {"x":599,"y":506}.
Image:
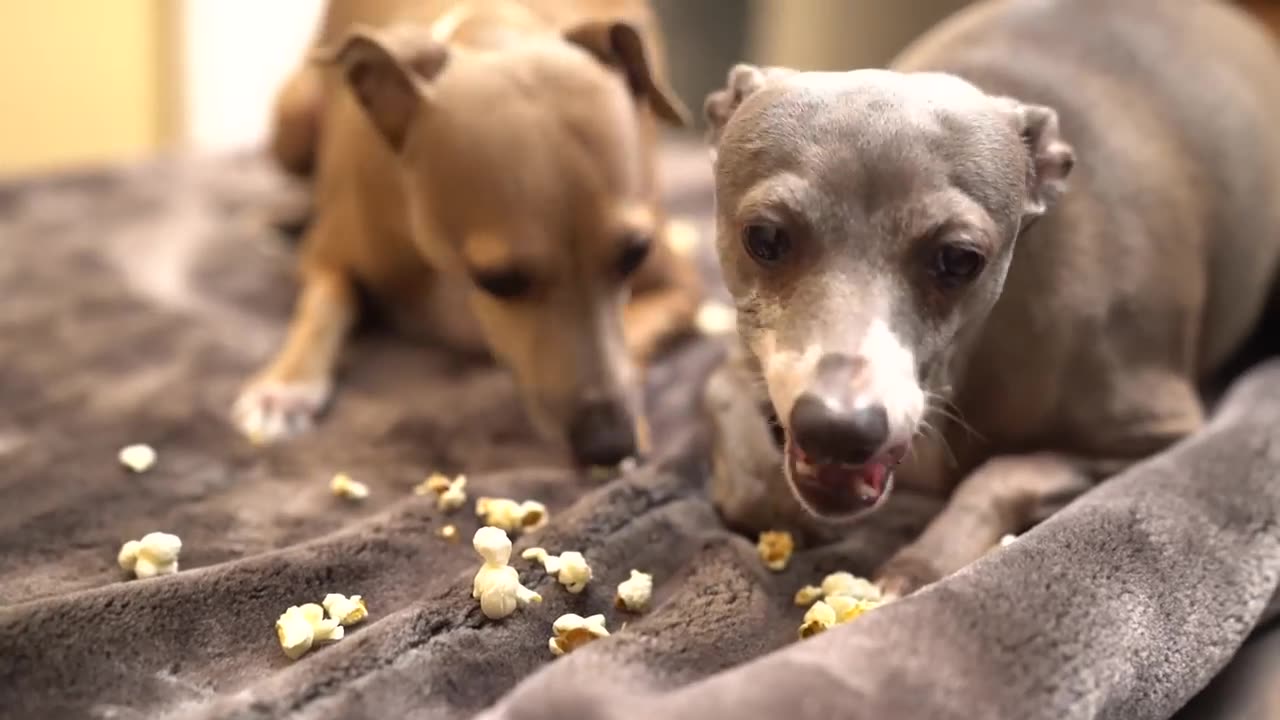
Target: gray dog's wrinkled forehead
{"x":873,"y":130}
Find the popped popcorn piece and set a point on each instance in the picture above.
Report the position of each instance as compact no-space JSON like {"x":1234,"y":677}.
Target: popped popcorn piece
{"x":834,"y":610}
{"x":849,"y":585}
{"x":344,"y":487}
{"x":570,"y":568}
{"x":303,"y":626}
{"x":455,"y":496}
{"x":633,"y":593}
{"x":808,"y":595}
{"x":510,"y":515}
{"x":716,"y":318}
{"x":436,"y":484}
{"x":346,"y":610}
{"x":155,"y":554}
{"x":573,"y":631}
{"x":497,"y":585}
{"x":682,"y":236}
{"x":450,"y":494}
{"x":549,"y":562}
{"x":138,"y":458}
{"x":775,"y":549}
{"x":816,"y":619}
{"x":1008,"y":540}
{"x":449,"y":532}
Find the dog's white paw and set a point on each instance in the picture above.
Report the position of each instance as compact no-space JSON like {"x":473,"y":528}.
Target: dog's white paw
{"x":268,"y":411}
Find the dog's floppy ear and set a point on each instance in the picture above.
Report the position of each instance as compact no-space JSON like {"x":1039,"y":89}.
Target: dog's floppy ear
{"x":743,"y":82}
{"x":618,"y":43}
{"x":1051,"y":157}
{"x":389,"y":72}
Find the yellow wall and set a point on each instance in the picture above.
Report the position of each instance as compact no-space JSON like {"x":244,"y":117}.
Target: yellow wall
{"x":82,"y":82}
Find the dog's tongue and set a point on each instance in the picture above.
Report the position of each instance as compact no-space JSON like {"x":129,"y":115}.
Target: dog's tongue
{"x":869,"y":478}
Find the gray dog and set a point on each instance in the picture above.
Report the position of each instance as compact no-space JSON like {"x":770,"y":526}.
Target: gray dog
{"x":930,"y":306}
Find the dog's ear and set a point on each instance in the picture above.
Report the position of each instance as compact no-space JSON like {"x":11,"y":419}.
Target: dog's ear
{"x":743,"y":82}
{"x":618,"y":43}
{"x":1051,"y":157}
{"x":390,"y":73}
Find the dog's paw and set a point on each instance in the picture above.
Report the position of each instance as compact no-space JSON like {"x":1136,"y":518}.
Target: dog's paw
{"x":905,"y":574}
{"x":269,"y":410}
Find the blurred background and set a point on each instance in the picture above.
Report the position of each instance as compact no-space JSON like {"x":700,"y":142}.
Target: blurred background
{"x":88,"y":82}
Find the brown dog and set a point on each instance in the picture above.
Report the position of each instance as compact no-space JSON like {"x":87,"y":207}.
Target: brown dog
{"x":930,"y":306}
{"x":486,"y":170}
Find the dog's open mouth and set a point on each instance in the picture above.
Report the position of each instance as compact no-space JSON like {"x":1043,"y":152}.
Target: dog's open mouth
{"x":840,"y":490}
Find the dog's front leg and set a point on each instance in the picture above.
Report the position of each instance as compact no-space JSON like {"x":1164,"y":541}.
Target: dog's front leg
{"x":285,"y":398}
{"x":1004,"y":495}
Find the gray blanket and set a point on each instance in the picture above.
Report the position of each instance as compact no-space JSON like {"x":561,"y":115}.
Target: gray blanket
{"x":135,"y":301}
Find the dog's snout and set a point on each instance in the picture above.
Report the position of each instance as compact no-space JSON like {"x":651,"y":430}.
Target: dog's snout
{"x":829,"y":430}
{"x":602,"y":434}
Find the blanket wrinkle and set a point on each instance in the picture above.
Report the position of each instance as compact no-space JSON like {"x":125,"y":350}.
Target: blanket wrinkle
{"x":1125,"y":605}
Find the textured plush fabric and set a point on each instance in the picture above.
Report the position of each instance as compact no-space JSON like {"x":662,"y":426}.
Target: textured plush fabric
{"x":134,"y":302}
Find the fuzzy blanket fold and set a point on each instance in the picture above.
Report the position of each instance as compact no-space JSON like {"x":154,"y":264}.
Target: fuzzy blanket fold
{"x":136,"y":301}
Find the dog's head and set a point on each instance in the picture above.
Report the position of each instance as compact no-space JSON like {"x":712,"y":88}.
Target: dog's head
{"x":529,"y":171}
{"x":866,"y":221}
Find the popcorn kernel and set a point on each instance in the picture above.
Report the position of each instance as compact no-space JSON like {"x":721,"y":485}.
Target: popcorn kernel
{"x":301,"y":627}
{"x":497,"y":585}
{"x":573,"y":631}
{"x":775,"y":549}
{"x":808,"y":595}
{"x":344,"y":487}
{"x":849,"y":585}
{"x":818,"y":618}
{"x":155,"y":554}
{"x":346,"y":610}
{"x":138,"y":458}
{"x":634,"y":592}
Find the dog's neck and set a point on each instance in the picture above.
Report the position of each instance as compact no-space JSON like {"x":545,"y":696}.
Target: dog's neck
{"x":492,"y":23}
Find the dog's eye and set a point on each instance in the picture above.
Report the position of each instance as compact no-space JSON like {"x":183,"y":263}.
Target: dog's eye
{"x":955,"y":265}
{"x":635,"y":250}
{"x":767,"y":244}
{"x":504,"y":284}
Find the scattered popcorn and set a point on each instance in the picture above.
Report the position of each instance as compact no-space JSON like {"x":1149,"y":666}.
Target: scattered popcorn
{"x":1008,"y":540}
{"x":849,"y":585}
{"x":344,"y":487}
{"x":155,"y":554}
{"x":511,"y":515}
{"x":302,"y":626}
{"x":716,"y":318}
{"x":850,"y":608}
{"x":818,"y":618}
{"x":450,"y":494}
{"x":570,"y":568}
{"x":682,"y":236}
{"x":138,"y":458}
{"x":436,"y":484}
{"x":346,"y":610}
{"x":573,"y":631}
{"x":540,"y":555}
{"x":775,"y":549}
{"x":832,"y":611}
{"x":808,"y":595}
{"x":633,"y":593}
{"x":449,"y":532}
{"x":497,"y":585}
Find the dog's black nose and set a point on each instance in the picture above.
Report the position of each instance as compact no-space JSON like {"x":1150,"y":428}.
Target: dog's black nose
{"x":835,"y":433}
{"x":602,"y":434}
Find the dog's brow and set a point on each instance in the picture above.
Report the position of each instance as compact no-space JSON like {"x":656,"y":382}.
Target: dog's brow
{"x":781,"y":193}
